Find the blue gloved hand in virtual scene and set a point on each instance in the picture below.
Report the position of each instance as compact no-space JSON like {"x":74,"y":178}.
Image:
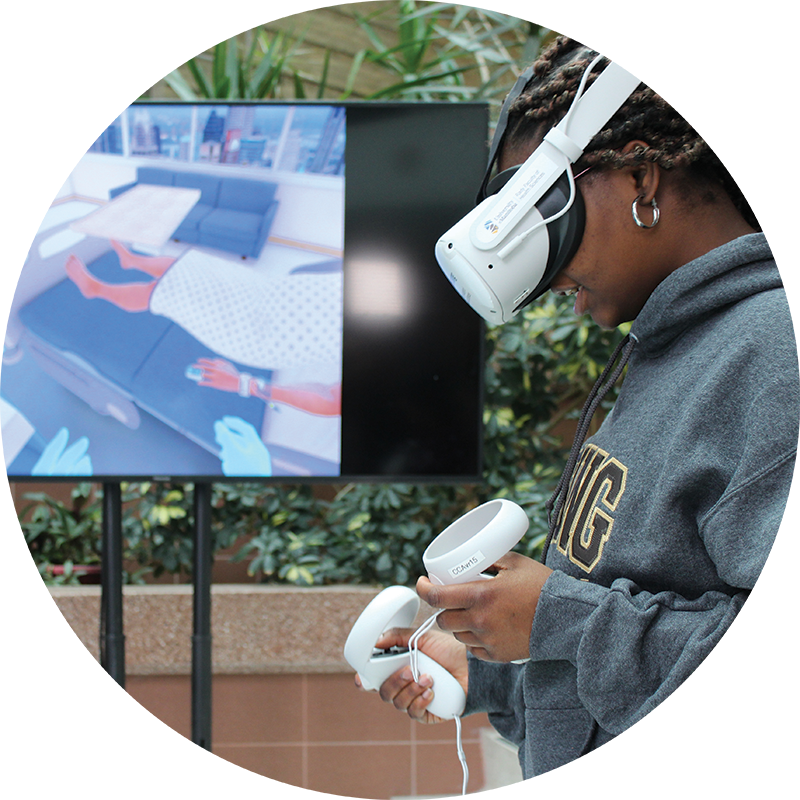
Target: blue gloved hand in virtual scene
{"x":243,"y":452}
{"x":58,"y":459}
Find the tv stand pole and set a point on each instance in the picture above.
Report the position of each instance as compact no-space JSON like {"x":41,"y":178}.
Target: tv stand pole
{"x":201,"y":638}
{"x":112,"y":638}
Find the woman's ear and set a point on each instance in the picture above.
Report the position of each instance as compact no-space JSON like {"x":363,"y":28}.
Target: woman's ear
{"x":645,"y":175}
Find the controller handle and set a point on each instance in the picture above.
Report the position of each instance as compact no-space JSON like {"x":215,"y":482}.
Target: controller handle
{"x":396,"y":606}
{"x":475,"y":541}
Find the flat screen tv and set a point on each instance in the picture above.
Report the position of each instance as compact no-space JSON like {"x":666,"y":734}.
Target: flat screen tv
{"x":227,"y":291}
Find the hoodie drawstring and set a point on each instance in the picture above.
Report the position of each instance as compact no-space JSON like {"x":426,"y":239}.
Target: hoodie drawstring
{"x":599,"y":391}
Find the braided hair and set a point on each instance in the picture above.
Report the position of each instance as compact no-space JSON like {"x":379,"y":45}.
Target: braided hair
{"x":672,"y":142}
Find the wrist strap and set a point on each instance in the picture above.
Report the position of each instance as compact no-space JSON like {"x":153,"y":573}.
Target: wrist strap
{"x":244,"y":384}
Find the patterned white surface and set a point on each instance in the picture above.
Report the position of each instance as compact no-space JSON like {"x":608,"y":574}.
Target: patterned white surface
{"x":248,"y":316}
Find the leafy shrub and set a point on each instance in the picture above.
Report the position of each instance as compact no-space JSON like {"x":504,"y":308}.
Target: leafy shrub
{"x":61,"y":534}
{"x":443,"y":51}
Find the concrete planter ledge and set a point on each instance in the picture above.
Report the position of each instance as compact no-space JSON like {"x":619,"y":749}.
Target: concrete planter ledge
{"x":255,"y":629}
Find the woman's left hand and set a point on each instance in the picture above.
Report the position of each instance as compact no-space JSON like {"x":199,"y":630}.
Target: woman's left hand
{"x":493,"y":617}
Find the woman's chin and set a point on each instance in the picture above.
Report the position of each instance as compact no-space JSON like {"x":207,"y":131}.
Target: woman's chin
{"x":607,"y":321}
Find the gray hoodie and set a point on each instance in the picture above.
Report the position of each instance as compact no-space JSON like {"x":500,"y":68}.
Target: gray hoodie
{"x":671,"y":511}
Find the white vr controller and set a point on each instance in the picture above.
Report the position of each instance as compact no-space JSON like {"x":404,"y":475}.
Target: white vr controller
{"x":396,"y":607}
{"x":460,"y":553}
{"x":465,"y":549}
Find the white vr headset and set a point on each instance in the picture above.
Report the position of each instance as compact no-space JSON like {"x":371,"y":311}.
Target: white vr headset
{"x":507,"y":250}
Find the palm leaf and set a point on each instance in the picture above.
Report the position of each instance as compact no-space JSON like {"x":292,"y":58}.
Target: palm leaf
{"x":417,"y":35}
{"x":299,"y":89}
{"x":233,"y":72}
{"x":497,"y":82}
{"x":180,"y":86}
{"x":423,"y":81}
{"x":358,"y":60}
{"x":263,"y":79}
{"x":364,"y":24}
{"x":206,"y":89}
{"x":434,"y":8}
{"x":220,"y":46}
{"x":323,"y":78}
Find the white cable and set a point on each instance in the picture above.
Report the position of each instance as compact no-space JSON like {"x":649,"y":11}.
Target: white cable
{"x":413,"y":643}
{"x":563,"y":128}
{"x":518,"y":240}
{"x":461,"y":757}
{"x":579,"y":93}
{"x":413,"y":647}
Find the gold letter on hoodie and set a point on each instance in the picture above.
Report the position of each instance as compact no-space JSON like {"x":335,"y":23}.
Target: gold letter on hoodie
{"x":594,"y":494}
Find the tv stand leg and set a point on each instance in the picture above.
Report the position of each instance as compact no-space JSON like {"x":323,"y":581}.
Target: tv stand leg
{"x":112,"y":637}
{"x":201,"y":638}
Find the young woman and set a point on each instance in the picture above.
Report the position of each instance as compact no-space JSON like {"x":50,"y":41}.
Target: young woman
{"x":665,"y":517}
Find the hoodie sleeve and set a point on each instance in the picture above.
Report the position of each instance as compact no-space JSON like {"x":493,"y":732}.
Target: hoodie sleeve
{"x":631,"y":649}
{"x":630,"y":646}
{"x":497,"y":690}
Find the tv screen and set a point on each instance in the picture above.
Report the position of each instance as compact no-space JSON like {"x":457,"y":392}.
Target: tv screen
{"x":248,"y":291}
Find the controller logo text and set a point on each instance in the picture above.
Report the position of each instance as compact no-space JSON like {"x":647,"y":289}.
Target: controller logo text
{"x":467,"y":564}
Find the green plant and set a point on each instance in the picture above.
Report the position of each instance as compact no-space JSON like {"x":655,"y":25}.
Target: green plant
{"x":539,"y":368}
{"x":63,"y":534}
{"x":250,"y":66}
{"x":438,"y":51}
{"x":157,"y":528}
{"x":283,"y":529}
{"x":444,"y":51}
{"x":158,"y":523}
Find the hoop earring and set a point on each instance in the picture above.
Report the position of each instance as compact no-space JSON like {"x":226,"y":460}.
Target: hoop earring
{"x":656,"y":214}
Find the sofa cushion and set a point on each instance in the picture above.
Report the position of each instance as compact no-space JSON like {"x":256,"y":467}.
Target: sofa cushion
{"x":161,"y":385}
{"x":154,"y":175}
{"x":224,"y":222}
{"x":115,"y":341}
{"x":240,"y":194}
{"x":207,"y":184}
{"x":197,"y":213}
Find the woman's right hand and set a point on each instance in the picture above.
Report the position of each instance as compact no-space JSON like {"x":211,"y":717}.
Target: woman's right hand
{"x":402,"y":691}
{"x":218,"y":374}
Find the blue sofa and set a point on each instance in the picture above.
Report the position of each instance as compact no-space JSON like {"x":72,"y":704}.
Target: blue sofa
{"x":233,"y":214}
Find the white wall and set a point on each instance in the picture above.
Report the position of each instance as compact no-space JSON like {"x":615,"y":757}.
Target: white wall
{"x":314,"y":215}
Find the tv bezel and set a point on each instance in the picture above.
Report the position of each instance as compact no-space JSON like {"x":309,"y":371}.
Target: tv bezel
{"x":453,"y":157}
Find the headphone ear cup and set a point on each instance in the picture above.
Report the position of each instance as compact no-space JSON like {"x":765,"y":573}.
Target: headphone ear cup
{"x":565,"y":233}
